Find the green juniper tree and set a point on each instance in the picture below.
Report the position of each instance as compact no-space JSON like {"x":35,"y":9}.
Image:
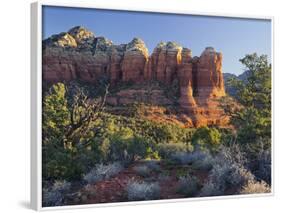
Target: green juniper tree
{"x":252,"y":119}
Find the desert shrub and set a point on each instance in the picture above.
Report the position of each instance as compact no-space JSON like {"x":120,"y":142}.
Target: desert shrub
{"x":139,"y":148}
{"x":206,"y":138}
{"x":54,"y":196}
{"x":166,"y":150}
{"x":103,"y":172}
{"x":59,"y":163}
{"x":142,"y":170}
{"x":204,"y":164}
{"x":61,"y":185}
{"x":228,"y":172}
{"x":188,"y":185}
{"x":187,"y":157}
{"x":153,"y":165}
{"x":119,"y":142}
{"x":127,"y":147}
{"x":263,"y":170}
{"x":143,"y":191}
{"x":155,"y":131}
{"x":211,"y":189}
{"x":259,"y":155}
{"x":255,"y":187}
{"x":163,"y":177}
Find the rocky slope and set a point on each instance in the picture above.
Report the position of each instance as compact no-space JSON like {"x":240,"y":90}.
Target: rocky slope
{"x":79,"y":54}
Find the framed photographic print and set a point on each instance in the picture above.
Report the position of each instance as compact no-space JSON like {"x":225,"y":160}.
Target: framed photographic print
{"x":139,"y":106}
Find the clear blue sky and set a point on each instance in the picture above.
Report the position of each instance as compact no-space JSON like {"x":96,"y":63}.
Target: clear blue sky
{"x":232,"y":36}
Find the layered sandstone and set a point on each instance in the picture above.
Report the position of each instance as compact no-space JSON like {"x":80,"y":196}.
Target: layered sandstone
{"x":134,"y":61}
{"x":79,"y":54}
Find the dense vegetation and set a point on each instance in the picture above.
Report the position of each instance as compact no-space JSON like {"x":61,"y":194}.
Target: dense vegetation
{"x":83,"y":142}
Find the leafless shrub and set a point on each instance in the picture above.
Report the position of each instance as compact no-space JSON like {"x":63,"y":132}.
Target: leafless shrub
{"x":55,"y":195}
{"x":263,"y":164}
{"x":188,"y":185}
{"x":143,"y":170}
{"x":61,"y":185}
{"x":211,"y":189}
{"x":163,"y":177}
{"x":153,"y":165}
{"x":228,"y":172}
{"x":204,"y":164}
{"x":187,"y":157}
{"x":103,"y":172}
{"x":52,"y":198}
{"x":143,"y":191}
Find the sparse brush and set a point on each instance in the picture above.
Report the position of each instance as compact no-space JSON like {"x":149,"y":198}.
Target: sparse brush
{"x":143,"y":191}
{"x":188,"y":185}
{"x":166,"y":150}
{"x":52,"y":198}
{"x":211,"y":189}
{"x":61,"y":185}
{"x":228,"y":172}
{"x":163,"y":177}
{"x":55,"y":195}
{"x":153,"y":165}
{"x":103,"y":172}
{"x":205,"y":164}
{"x":262,"y":165}
{"x":256,"y":187}
{"x":187,"y":157}
{"x":143,"y":170}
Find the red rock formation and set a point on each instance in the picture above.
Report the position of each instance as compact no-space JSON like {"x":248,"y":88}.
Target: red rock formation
{"x":209,"y":74}
{"x":78,"y":54}
{"x":164,"y":61}
{"x":116,"y":57}
{"x":186,"y":100}
{"x":134,"y":61}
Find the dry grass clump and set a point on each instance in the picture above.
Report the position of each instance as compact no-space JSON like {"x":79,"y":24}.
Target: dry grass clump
{"x":256,"y":187}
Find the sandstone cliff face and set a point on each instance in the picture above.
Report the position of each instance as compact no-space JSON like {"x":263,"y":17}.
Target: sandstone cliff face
{"x":134,"y":61}
{"x":209,"y":77}
{"x":78,"y":54}
{"x":186,"y":80}
{"x":164,"y":62}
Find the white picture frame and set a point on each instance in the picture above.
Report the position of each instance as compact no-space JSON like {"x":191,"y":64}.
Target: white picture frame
{"x":36,"y":102}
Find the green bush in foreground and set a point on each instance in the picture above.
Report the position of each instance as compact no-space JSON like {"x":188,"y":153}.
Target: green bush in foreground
{"x":206,"y":138}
